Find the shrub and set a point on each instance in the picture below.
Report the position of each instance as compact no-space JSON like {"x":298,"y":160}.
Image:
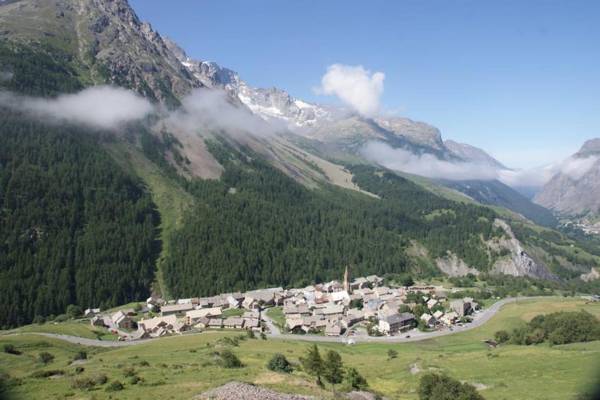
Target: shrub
{"x":114,"y":386}
{"x":127,"y":372}
{"x":46,"y":374}
{"x":230,"y":360}
{"x":79,"y":370}
{"x":441,"y":387}
{"x":392,"y":354}
{"x":134,"y":380}
{"x":61,"y":318}
{"x":502,"y":336}
{"x":250,"y":334}
{"x":45,"y":357}
{"x":355,"y":380}
{"x":100,"y":379}
{"x":81,"y":355}
{"x":11,"y":349}
{"x":408,"y":281}
{"x":83,"y":383}
{"x":333,"y":368}
{"x":74,"y":311}
{"x":404,"y":308}
{"x":263,"y":336}
{"x":279,"y":363}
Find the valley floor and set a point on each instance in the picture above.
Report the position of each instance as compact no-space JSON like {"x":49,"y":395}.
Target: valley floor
{"x":183,"y":366}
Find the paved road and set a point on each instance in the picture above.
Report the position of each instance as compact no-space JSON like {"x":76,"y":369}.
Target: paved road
{"x":479,"y":319}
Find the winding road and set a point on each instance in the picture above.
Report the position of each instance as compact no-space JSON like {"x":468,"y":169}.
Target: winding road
{"x":479,"y":319}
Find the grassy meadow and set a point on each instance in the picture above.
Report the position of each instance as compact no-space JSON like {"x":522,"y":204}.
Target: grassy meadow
{"x":183,"y":366}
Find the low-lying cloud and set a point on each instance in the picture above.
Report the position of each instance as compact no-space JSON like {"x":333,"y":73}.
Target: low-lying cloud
{"x":214,"y":110}
{"x":355,"y":86}
{"x":105,"y":107}
{"x":572,"y":167}
{"x":426,"y":165}
{"x":430,"y":166}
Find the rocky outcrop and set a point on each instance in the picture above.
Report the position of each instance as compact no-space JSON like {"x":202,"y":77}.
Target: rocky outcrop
{"x":107,"y":42}
{"x":131,"y":53}
{"x":518,"y":262}
{"x":451,"y":265}
{"x":591,"y":276}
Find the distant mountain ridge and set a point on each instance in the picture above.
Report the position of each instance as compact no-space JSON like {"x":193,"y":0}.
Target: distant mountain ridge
{"x":327,"y":124}
{"x":576,"y":191}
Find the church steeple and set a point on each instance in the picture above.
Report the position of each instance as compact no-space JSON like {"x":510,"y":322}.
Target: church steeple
{"x":347,"y":279}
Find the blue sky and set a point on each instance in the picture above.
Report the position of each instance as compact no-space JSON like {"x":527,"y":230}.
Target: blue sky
{"x":520,"y":79}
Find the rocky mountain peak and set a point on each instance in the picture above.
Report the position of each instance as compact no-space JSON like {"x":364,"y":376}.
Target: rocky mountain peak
{"x":472,"y":154}
{"x":416,"y":132}
{"x":590,"y":147}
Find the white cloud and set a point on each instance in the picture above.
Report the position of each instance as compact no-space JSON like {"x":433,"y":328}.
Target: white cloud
{"x":573,"y":167}
{"x":355,"y":86}
{"x":426,"y":165}
{"x":430,"y":166}
{"x":213,"y":110}
{"x":104,"y":107}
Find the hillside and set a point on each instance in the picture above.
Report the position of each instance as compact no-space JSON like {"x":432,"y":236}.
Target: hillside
{"x":498,"y":194}
{"x":194,"y":194}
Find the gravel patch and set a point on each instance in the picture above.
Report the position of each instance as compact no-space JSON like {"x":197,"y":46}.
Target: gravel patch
{"x":245,"y":391}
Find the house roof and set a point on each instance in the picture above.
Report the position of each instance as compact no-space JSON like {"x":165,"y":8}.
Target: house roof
{"x":177,"y":308}
{"x":233,"y":321}
{"x":398,"y":318}
{"x":204,"y":312}
{"x":333,"y":309}
{"x":333,"y":329}
{"x":153,"y":323}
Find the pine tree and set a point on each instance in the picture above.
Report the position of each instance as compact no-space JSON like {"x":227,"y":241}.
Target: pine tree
{"x":333,"y":367}
{"x":313,"y":363}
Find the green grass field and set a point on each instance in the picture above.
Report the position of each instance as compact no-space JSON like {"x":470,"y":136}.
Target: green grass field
{"x":277,"y":316}
{"x":81,"y":328}
{"x":180,"y":367}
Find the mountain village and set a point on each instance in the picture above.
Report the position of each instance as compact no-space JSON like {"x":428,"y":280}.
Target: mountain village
{"x":332,"y":309}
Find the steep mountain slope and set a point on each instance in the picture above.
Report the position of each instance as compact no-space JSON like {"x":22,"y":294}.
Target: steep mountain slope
{"x":498,"y":194}
{"x":104,"y":41}
{"x":472,"y":154}
{"x":74,"y":227}
{"x":576,"y":190}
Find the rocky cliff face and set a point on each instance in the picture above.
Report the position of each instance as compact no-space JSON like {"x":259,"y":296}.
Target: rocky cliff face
{"x":106,"y":39}
{"x":272,"y":104}
{"x":575,"y":191}
{"x":518,"y":262}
